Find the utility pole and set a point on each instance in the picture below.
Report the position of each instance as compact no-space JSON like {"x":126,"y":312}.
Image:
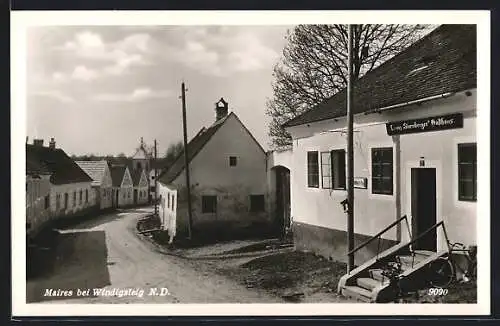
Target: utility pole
{"x":186,"y":161}
{"x":350,"y":155}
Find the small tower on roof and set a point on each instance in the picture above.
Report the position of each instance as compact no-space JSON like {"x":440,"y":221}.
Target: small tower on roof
{"x":221,"y":109}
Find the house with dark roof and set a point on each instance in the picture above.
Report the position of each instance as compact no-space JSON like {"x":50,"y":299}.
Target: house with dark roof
{"x":140,"y":185}
{"x":414,"y":152}
{"x":68,"y":191}
{"x":227,"y":171}
{"x":101,"y":180}
{"x":122,"y":186}
{"x":37,"y":195}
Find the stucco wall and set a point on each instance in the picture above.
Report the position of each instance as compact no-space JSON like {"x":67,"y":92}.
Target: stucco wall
{"x":321,"y":207}
{"x":73,"y":207}
{"x":210,"y":174}
{"x":167,"y":208}
{"x":36,"y":212}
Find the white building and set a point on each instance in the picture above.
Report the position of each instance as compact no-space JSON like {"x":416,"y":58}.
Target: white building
{"x":102,"y":183}
{"x":123,"y":187}
{"x":71,"y":192}
{"x":228,"y":181}
{"x":414,"y":152}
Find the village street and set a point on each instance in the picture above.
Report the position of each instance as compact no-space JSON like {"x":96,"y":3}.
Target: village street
{"x":107,"y":252}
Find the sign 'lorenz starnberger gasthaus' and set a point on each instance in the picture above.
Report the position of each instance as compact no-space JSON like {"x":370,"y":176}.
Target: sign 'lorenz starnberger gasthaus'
{"x":450,"y":121}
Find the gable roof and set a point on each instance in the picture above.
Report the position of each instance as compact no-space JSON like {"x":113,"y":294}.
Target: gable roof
{"x":55,"y":161}
{"x":449,"y":51}
{"x":136,"y":176}
{"x":194,"y":147}
{"x":34,"y":167}
{"x":95,"y":169}
{"x":117,"y":174}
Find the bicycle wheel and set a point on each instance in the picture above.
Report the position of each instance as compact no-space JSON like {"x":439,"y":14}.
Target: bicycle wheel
{"x":441,"y":272}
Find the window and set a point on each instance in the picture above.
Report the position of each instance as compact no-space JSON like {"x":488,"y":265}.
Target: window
{"x":382,"y":171}
{"x":232,"y":160}
{"x":86,"y":195}
{"x":47,"y":201}
{"x":326,"y":170}
{"x":312,"y":170}
{"x":173,"y":202}
{"x":467,"y":172}
{"x":81,"y":196}
{"x":208,"y":204}
{"x":168,"y":200}
{"x":257,"y":203}
{"x":338,"y":168}
{"x":58,"y":201}
{"x":333,"y":169}
{"x":74,"y":198}
{"x":66,"y":199}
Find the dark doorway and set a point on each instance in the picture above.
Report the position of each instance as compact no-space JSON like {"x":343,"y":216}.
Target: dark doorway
{"x":282,"y":198}
{"x":116,"y":198}
{"x":423,"y":207}
{"x":135,"y":196}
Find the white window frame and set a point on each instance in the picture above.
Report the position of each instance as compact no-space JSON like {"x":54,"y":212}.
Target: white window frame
{"x":383,"y":144}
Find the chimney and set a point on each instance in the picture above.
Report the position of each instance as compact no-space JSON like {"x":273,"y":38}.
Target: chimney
{"x":220,"y":109}
{"x":38,"y":142}
{"x":52,"y":143}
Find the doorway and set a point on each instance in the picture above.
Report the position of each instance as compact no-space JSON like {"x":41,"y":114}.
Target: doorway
{"x":423,"y":207}
{"x":116,"y":198}
{"x":283,"y":207}
{"x":135,"y":196}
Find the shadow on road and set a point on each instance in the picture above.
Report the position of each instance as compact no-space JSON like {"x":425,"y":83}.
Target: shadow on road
{"x":80,"y":264}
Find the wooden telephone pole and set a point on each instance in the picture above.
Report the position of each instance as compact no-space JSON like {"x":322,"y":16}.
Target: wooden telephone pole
{"x":186,"y":161}
{"x":350,"y":155}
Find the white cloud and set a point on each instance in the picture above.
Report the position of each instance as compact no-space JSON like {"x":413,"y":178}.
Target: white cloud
{"x":223,"y":51}
{"x":84,"y":73}
{"x":55,"y":95}
{"x":138,"y":94}
{"x":117,"y":56}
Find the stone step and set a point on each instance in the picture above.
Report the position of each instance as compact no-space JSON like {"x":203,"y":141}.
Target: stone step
{"x":358,"y":293}
{"x":424,"y":253}
{"x":376,"y":274}
{"x":368,"y":283}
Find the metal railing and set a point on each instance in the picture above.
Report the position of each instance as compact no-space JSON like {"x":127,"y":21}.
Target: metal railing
{"x":423,"y":234}
{"x":378,"y":236}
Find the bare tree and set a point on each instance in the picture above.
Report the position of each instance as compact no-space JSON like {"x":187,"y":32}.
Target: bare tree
{"x":173,"y":151}
{"x":314,"y":65}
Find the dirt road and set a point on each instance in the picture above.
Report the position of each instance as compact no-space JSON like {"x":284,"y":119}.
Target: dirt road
{"x":106,"y":253}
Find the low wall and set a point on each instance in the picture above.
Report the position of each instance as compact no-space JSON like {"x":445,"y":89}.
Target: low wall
{"x":332,"y":244}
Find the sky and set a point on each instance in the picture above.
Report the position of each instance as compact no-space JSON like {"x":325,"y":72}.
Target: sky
{"x":99,"y":89}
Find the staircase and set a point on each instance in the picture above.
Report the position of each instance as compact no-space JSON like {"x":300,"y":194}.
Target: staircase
{"x":369,"y":283}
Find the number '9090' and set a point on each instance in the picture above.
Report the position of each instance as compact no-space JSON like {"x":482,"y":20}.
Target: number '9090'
{"x":437,"y":291}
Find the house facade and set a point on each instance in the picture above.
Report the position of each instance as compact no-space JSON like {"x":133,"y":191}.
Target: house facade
{"x":140,"y":187}
{"x":101,"y":181}
{"x":414,"y":153}
{"x":37,"y":196}
{"x":228,"y":176}
{"x":71,"y":192}
{"x":123,"y":187}
{"x":143,"y":160}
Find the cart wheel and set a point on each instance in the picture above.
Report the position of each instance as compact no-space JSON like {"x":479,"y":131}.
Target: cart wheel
{"x":441,"y":272}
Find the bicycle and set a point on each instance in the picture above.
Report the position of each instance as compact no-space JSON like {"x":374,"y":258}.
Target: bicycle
{"x":443,"y":271}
